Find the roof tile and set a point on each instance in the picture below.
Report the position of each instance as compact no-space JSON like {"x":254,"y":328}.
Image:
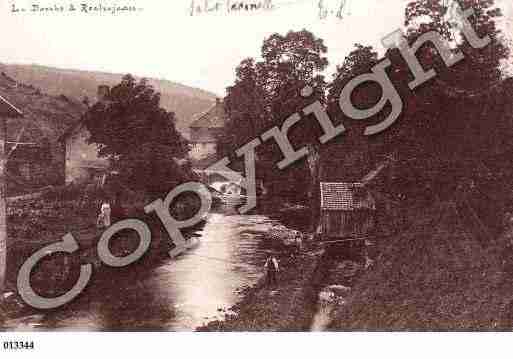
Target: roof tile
{"x":343,"y":196}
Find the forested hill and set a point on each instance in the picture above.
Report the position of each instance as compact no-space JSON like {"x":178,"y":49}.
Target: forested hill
{"x":185,"y":101}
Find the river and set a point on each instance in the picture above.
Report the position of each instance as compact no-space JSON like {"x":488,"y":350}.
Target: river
{"x":178,"y":294}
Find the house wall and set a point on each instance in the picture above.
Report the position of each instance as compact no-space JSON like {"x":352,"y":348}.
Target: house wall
{"x":204,"y":134}
{"x":341,"y":224}
{"x":82,"y":161}
{"x":202,"y":150}
{"x":204,"y":142}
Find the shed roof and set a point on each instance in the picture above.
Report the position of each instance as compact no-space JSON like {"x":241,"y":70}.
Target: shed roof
{"x":345,"y":196}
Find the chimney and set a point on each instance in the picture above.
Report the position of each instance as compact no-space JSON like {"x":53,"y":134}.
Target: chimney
{"x":103,"y":93}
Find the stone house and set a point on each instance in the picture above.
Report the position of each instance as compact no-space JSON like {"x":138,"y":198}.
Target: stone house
{"x":205,"y":131}
{"x":35,"y":157}
{"x":82,"y":163}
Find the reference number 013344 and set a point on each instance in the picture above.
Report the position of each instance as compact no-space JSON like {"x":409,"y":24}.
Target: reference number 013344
{"x":18,"y":345}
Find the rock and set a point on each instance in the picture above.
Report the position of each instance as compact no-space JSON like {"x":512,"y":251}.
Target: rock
{"x":326,"y":296}
{"x":333,"y":295}
{"x":7,"y":295}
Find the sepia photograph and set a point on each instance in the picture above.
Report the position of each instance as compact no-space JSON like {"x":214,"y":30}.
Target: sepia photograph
{"x":291,"y":166}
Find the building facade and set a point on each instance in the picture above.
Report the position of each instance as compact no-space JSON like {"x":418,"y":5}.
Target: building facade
{"x":36,"y":158}
{"x":347,"y":210}
{"x":205,"y":131}
{"x":82,"y":162}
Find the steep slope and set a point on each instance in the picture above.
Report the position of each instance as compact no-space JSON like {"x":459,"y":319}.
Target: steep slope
{"x":435,"y":276}
{"x":183,"y":100}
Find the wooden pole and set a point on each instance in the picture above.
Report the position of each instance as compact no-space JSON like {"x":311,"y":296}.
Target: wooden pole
{"x":3,"y":208}
{"x":7,"y":110}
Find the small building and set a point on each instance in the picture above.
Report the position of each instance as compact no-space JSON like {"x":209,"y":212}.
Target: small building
{"x":35,"y":157}
{"x":82,"y":162}
{"x":205,"y":131}
{"x":347,"y":210}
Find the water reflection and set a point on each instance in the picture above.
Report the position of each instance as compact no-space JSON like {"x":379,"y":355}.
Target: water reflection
{"x":179,"y":294}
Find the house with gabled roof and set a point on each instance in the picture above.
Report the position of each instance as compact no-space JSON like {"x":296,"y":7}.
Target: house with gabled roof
{"x":205,"y":131}
{"x":347,"y":210}
{"x":35,"y":157}
{"x":82,"y":162}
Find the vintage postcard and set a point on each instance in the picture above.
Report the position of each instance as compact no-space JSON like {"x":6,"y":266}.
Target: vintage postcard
{"x":255,"y":165}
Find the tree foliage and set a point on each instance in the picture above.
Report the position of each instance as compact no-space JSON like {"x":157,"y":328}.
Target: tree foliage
{"x":266,"y":92}
{"x":455,"y":124}
{"x":450,"y":124}
{"x":457,"y":110}
{"x":357,"y":62}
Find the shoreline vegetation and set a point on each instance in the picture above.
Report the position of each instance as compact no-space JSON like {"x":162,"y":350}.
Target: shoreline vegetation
{"x":435,"y":273}
{"x":294,"y":303}
{"x":35,"y":221}
{"x":286,"y":306}
{"x":334,"y":285}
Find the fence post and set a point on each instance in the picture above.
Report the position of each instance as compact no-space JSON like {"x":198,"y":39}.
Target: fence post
{"x":3,"y":209}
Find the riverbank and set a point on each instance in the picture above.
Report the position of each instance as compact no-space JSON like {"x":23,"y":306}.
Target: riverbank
{"x":171,"y":295}
{"x":287,"y":306}
{"x":439,"y":274}
{"x":294,"y":303}
{"x":40,"y":220}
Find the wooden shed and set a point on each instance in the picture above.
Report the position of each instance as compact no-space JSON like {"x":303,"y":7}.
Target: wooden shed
{"x":348,"y":210}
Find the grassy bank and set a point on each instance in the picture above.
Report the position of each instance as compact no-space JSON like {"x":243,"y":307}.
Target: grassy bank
{"x":285,"y":306}
{"x":292,"y":304}
{"x":36,"y":222}
{"x":438,"y":274}
{"x":437,"y":271}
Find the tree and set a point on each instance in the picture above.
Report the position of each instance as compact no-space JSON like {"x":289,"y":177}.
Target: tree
{"x":289,"y":63}
{"x":457,"y":121}
{"x":467,"y":125}
{"x":137,"y":136}
{"x":451,"y":123}
{"x":480,"y":67}
{"x":245,"y":107}
{"x":357,"y":62}
{"x":266,"y":92}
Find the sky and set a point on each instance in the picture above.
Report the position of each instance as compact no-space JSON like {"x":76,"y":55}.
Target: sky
{"x":161,"y":39}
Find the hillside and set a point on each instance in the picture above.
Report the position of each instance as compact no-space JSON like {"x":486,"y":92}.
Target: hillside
{"x":436,"y":275}
{"x":183,"y":100}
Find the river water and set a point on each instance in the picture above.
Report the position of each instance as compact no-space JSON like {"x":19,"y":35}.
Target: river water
{"x":177,"y":295}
